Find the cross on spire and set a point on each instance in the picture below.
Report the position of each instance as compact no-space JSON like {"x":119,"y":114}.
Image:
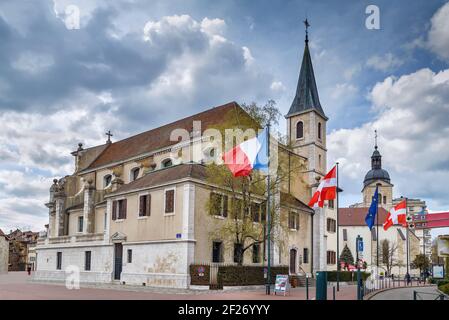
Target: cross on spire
{"x":109,"y":134}
{"x":307,"y":24}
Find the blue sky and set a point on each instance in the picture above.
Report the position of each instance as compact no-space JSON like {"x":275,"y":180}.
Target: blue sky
{"x":134,"y":65}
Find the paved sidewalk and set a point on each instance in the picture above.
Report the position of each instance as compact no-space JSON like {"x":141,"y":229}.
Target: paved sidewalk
{"x":16,"y":285}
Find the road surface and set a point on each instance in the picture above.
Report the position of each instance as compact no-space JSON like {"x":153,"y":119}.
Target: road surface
{"x":424,"y":293}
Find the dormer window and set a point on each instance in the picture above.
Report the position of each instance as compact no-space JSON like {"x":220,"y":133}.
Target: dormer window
{"x":107,"y":180}
{"x":134,"y":174}
{"x":300,"y":130}
{"x":167,"y":163}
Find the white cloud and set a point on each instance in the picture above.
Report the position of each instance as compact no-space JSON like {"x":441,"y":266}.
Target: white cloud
{"x":385,"y":63}
{"x":413,"y":124}
{"x":277,"y":86}
{"x":343,"y":91}
{"x":438,"y":37}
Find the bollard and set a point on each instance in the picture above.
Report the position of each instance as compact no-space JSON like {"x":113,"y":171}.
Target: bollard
{"x":414,"y":295}
{"x":333,"y":295}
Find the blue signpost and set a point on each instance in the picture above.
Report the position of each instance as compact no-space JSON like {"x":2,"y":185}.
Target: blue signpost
{"x":359,"y":248}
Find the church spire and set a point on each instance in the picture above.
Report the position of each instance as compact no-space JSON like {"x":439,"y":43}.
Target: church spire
{"x":306,"y":97}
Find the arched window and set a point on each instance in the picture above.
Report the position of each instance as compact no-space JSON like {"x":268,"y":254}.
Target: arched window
{"x":380,"y":198}
{"x":300,"y":130}
{"x":319,"y":130}
{"x":107,"y":179}
{"x":134,"y":174}
{"x":319,"y":161}
{"x":167,"y":163}
{"x":385,"y":199}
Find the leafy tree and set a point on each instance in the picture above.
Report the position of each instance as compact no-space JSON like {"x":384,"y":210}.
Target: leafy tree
{"x":245,"y":195}
{"x":420,"y":262}
{"x":388,"y":255}
{"x":346,"y":257}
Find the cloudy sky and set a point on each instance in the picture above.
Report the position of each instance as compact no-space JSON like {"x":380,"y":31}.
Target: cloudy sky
{"x":135,"y":64}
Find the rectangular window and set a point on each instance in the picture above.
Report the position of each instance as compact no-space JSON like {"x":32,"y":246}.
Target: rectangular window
{"x":130,"y":256}
{"x":87,"y":260}
{"x":255,"y":212}
{"x":119,"y":209}
{"x":345,"y":235}
{"x":331,"y":257}
{"x":238,"y":253}
{"x":256,"y":253}
{"x":293,"y":220}
{"x":263,"y":212}
{"x":305,"y":255}
{"x":80,"y":223}
{"x":58,"y":260}
{"x":331,"y":225}
{"x":217,"y":251}
{"x":331,"y":204}
{"x":145,"y":205}
{"x":170,"y":201}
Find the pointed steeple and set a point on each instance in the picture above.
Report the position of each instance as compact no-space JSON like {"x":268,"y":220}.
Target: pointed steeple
{"x":306,"y":97}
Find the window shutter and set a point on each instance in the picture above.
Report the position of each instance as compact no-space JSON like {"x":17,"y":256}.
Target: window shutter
{"x":148,"y":211}
{"x":142,"y":206}
{"x":124,"y":208}
{"x":114,"y":210}
{"x":169,"y":201}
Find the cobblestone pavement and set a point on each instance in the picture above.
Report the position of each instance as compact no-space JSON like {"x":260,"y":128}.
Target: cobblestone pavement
{"x":424,"y":293}
{"x":17,"y":285}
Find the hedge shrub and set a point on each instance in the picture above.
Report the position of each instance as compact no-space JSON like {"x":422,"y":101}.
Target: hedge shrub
{"x":346,"y":276}
{"x":444,"y":288}
{"x":235,"y":275}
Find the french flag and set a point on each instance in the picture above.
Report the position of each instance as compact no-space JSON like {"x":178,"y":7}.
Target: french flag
{"x":250,"y":155}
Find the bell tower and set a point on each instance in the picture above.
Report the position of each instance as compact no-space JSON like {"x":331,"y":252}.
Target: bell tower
{"x":306,"y":121}
{"x":306,"y":131}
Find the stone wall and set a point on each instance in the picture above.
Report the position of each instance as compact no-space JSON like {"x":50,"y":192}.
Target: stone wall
{"x":4,"y":255}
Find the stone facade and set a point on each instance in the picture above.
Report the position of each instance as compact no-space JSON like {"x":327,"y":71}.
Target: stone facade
{"x":4,"y":252}
{"x":135,"y":211}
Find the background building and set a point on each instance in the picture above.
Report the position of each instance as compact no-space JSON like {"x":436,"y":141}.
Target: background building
{"x":352,"y":224}
{"x":4,"y":252}
{"x":21,"y":250}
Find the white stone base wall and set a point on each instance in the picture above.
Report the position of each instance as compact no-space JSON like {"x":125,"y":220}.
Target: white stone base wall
{"x":155,"y":264}
{"x":73,"y":258}
{"x":158,"y":264}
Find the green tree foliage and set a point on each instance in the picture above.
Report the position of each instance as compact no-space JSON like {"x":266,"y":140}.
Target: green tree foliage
{"x":346,"y":257}
{"x":421,"y":262}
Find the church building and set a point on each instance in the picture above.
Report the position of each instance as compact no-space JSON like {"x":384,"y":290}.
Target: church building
{"x":352,"y":224}
{"x":136,"y":211}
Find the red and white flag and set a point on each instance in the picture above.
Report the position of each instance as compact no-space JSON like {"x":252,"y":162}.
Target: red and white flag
{"x":397,"y":215}
{"x":327,"y":190}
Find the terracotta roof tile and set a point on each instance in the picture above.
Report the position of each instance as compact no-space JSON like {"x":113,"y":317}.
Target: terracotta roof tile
{"x":356,"y":216}
{"x":159,"y":137}
{"x":289,"y":199}
{"x":196,"y":171}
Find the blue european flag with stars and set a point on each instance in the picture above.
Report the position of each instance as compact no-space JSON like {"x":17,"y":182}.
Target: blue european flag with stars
{"x":372,"y":210}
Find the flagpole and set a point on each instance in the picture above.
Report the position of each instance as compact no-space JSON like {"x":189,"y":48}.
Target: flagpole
{"x":268,"y":285}
{"x":377,"y":226}
{"x":338,"y":239}
{"x":407,"y":232}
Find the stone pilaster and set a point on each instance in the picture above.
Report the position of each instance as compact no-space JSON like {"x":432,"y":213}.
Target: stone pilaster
{"x":89,"y":208}
{"x":59,"y":215}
